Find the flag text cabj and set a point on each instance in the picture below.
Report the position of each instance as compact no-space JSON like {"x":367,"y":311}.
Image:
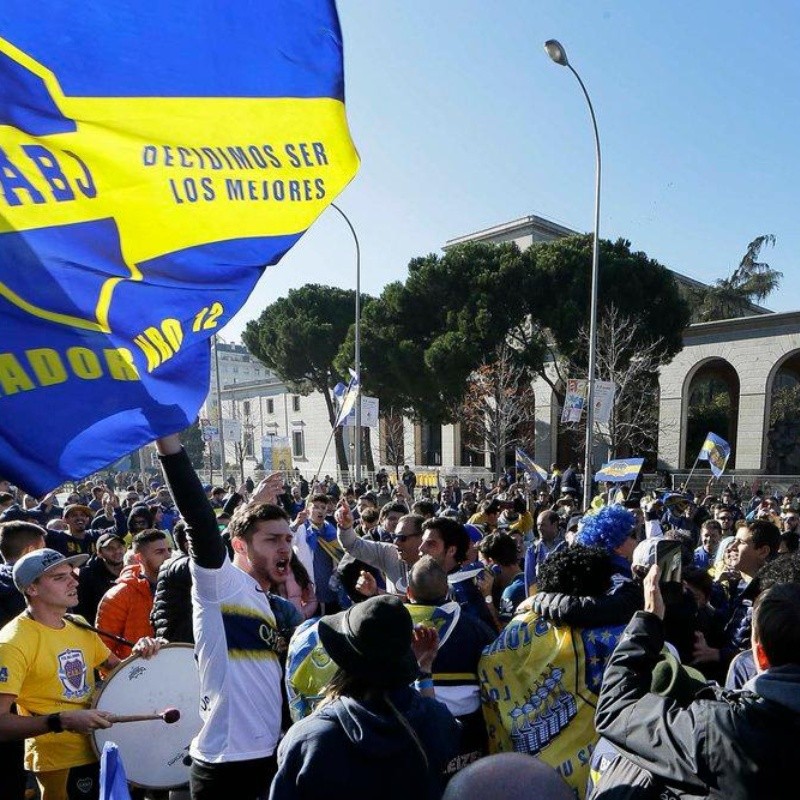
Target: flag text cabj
{"x":37,"y":175}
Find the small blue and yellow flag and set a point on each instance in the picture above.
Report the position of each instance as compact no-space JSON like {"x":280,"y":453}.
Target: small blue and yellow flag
{"x":620,"y":470}
{"x":716,"y":451}
{"x":349,"y":397}
{"x":526,"y":464}
{"x":154,"y":160}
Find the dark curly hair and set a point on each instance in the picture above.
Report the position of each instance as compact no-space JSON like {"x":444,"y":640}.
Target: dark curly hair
{"x":784,"y":569}
{"x":579,"y":571}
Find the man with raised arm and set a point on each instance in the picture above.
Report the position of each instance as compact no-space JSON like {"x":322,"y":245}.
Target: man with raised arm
{"x":241,"y":631}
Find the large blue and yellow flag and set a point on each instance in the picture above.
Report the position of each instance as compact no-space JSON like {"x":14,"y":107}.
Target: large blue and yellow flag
{"x":154,"y":159}
{"x":539,"y":689}
{"x":716,"y":451}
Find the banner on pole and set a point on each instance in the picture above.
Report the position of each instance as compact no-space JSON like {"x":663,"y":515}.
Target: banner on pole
{"x":370,"y":409}
{"x":604,"y":392}
{"x":574,"y":401}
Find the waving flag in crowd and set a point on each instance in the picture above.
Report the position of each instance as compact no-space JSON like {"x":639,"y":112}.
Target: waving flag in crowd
{"x":154,"y":159}
{"x":716,"y":451}
{"x":348,"y":398}
{"x":620,"y":470}
{"x":527,"y":465}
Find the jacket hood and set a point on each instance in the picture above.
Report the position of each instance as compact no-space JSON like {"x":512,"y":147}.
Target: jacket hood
{"x":140,"y":510}
{"x":377,"y":732}
{"x":779,"y":685}
{"x":131,"y":574}
{"x":7,"y":581}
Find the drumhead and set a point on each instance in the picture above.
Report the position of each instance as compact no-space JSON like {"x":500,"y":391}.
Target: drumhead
{"x":155,"y":754}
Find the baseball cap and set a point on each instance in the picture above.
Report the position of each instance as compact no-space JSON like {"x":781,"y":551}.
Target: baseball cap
{"x":33,"y":565}
{"x":645,"y":553}
{"x":107,"y":538}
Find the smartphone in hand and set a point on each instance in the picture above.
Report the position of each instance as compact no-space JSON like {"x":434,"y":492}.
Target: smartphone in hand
{"x":668,"y":558}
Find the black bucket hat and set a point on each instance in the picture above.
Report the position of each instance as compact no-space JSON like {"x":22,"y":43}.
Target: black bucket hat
{"x":372,"y":640}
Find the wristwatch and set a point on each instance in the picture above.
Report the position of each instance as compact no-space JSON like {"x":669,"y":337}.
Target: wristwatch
{"x":54,"y":724}
{"x":488,"y":600}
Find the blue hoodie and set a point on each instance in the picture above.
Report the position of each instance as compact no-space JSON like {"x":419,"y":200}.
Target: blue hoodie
{"x":347,"y":744}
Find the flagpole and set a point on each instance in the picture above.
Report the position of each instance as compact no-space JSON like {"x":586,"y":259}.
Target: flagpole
{"x":322,"y":460}
{"x":691,"y":472}
{"x":339,"y":420}
{"x":357,"y":454}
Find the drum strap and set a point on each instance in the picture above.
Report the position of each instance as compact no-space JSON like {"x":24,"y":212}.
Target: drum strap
{"x":81,"y":623}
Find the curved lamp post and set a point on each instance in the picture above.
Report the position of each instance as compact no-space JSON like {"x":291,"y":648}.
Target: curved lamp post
{"x":357,"y":453}
{"x":559,"y":55}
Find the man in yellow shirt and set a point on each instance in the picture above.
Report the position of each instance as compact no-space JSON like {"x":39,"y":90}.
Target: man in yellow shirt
{"x":47,"y":668}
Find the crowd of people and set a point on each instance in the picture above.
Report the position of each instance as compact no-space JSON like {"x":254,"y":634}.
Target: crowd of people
{"x":410,"y":639}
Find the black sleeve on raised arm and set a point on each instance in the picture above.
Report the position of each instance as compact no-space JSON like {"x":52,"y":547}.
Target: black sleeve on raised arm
{"x":205,"y":542}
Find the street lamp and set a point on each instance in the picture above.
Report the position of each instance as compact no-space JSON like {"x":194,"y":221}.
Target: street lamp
{"x":356,"y":459}
{"x":559,"y":55}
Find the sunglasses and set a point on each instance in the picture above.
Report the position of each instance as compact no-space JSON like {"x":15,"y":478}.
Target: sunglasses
{"x":402,"y":537}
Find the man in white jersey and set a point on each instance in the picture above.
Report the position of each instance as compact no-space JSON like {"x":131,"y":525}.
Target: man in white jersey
{"x":241,"y":631}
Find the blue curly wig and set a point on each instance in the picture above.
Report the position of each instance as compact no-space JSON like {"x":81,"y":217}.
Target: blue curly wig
{"x":608,"y":528}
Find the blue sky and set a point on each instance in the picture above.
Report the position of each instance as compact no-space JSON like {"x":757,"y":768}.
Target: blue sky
{"x":463,"y":122}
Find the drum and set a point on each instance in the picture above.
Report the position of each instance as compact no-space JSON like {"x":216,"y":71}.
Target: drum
{"x":155,"y":754}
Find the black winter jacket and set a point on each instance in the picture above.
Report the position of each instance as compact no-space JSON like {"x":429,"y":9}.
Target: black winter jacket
{"x":12,"y":602}
{"x":731,"y":745}
{"x":172,"y":605}
{"x":94,"y":580}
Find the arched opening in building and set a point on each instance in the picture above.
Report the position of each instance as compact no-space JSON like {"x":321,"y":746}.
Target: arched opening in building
{"x":712,"y":406}
{"x":783,"y":425}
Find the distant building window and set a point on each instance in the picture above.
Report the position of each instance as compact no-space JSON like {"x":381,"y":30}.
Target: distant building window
{"x":295,"y":403}
{"x":270,"y":406}
{"x":297,"y":444}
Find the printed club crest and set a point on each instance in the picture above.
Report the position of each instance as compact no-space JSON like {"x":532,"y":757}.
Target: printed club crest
{"x":72,"y":673}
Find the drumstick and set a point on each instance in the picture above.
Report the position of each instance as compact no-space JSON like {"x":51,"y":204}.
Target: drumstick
{"x":169,"y":715}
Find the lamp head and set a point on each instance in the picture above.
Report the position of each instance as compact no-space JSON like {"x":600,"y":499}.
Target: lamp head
{"x":556,"y":52}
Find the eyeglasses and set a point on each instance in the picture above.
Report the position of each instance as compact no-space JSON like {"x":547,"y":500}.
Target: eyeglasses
{"x":402,"y":537}
{"x":725,"y":519}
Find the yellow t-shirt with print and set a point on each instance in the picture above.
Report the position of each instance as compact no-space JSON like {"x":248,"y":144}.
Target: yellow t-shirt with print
{"x":48,"y":671}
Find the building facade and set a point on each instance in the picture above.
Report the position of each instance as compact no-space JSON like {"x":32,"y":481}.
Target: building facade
{"x":750,"y":360}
